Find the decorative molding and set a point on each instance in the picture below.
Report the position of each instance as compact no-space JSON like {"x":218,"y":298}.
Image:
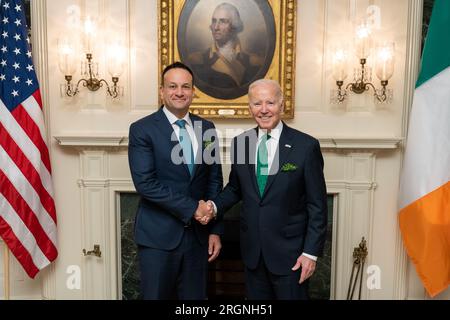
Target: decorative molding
{"x":39,"y":40}
{"x":345,"y":144}
{"x":333,"y":186}
{"x":326,"y":143}
{"x":40,"y":59}
{"x":354,"y":194}
{"x":414,"y":38}
{"x":289,"y":31}
{"x":339,"y":186}
{"x":94,"y":205}
{"x":106,"y":183}
{"x":360,"y":143}
{"x":101,"y":223}
{"x":92,"y":141}
{"x":94,"y":284}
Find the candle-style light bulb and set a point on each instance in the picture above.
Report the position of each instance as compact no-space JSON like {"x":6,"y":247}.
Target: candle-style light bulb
{"x":116,"y":59}
{"x":384,"y":65}
{"x":340,"y":61}
{"x":363,"y":40}
{"x":90,"y":32}
{"x":67,"y":61}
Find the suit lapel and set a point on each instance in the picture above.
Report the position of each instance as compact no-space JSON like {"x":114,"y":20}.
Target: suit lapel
{"x":284,"y":148}
{"x":166,"y":129}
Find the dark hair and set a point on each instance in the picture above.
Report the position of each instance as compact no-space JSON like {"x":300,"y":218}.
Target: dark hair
{"x":177,"y":65}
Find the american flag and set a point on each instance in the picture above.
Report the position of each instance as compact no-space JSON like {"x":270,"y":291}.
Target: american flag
{"x":27,"y":208}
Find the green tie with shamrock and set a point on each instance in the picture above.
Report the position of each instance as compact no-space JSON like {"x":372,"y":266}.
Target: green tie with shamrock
{"x":262,"y":164}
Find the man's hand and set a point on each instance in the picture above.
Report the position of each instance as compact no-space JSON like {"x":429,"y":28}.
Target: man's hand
{"x":204,"y":212}
{"x":207,"y":218}
{"x":214,"y":246}
{"x":308,"y":266}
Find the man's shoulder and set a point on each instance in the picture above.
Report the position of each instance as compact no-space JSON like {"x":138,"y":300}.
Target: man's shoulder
{"x":205,"y":123}
{"x":300,"y":136}
{"x":145,"y":121}
{"x":248,"y":134}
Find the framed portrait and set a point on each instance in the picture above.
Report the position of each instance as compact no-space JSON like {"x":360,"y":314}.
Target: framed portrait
{"x":228,"y":44}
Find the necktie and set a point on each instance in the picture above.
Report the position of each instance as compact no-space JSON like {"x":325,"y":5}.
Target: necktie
{"x":262,"y":164}
{"x":186,"y":145}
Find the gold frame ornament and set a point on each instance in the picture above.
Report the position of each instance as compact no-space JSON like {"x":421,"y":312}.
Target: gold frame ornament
{"x":281,"y":68}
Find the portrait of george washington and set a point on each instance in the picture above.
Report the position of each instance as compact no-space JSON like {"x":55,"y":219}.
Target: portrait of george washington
{"x":227,"y":45}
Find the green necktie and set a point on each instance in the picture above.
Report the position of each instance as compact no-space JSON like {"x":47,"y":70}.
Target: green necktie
{"x":186,"y":145}
{"x":262,"y":164}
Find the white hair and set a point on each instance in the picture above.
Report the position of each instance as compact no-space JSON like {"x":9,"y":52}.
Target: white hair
{"x":270,"y":82}
{"x":236,"y":21}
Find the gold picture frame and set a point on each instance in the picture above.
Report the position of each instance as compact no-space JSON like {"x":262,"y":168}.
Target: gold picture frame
{"x":185,"y":35}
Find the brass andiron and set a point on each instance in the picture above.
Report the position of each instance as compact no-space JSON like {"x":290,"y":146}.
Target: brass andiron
{"x":359,"y":258}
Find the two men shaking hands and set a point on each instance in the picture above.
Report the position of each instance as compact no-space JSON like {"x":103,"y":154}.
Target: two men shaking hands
{"x":205,"y":212}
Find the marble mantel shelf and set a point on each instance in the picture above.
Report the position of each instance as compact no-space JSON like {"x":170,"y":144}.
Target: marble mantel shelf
{"x":360,"y":143}
{"x":92,"y":141}
{"x":325,"y":143}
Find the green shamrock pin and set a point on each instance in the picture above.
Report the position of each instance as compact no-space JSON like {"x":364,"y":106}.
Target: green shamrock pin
{"x":288,"y":167}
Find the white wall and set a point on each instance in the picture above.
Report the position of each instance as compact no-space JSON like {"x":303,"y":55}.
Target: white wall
{"x":361,"y":141}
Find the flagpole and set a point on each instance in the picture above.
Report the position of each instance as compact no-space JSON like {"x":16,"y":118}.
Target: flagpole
{"x":6,"y":273}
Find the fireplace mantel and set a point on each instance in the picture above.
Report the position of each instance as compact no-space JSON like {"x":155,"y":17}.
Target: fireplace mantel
{"x":352,"y":172}
{"x":329,"y":143}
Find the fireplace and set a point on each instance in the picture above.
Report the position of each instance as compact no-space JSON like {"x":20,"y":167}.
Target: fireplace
{"x":107,"y":206}
{"x":226,"y":273}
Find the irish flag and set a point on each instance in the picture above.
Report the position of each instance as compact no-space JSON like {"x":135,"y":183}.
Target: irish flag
{"x":424,"y":199}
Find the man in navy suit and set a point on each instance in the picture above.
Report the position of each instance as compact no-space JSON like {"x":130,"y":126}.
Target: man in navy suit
{"x":277,"y":172}
{"x":173,"y":169}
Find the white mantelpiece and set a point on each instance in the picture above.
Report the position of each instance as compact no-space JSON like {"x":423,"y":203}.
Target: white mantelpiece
{"x":350,"y":173}
{"x":326,"y":143}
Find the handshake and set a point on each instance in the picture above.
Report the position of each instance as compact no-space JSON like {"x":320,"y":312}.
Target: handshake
{"x":204,"y":212}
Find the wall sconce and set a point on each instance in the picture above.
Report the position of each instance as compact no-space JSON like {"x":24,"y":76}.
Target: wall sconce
{"x":68,"y":53}
{"x":362,"y":75}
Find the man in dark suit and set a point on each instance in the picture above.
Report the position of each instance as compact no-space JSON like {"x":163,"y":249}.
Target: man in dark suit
{"x":172,"y":175}
{"x":277,"y":172}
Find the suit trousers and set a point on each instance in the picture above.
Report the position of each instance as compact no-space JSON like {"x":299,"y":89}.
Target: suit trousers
{"x":261,"y":284}
{"x":179,"y":273}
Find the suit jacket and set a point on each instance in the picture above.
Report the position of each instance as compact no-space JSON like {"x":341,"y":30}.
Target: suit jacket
{"x":291,"y":216}
{"x":169,"y":195}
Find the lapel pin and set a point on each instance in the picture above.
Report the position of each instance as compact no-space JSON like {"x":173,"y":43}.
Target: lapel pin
{"x":288,"y":146}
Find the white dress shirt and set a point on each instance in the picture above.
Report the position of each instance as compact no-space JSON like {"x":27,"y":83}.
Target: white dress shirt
{"x":189,"y":128}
